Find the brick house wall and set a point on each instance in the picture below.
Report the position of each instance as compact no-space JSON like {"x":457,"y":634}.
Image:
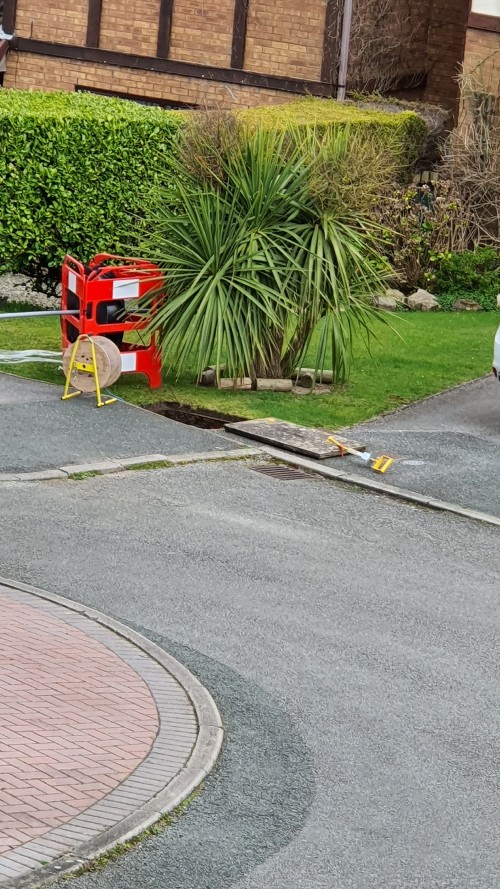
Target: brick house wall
{"x":201,"y":32}
{"x":482,"y":59}
{"x":445,"y":51}
{"x":286,"y":37}
{"x":482,"y":51}
{"x":220,"y":53}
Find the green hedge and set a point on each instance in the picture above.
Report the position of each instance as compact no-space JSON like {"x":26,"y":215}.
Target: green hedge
{"x":72,"y":170}
{"x":74,"y":167}
{"x":405,"y":131}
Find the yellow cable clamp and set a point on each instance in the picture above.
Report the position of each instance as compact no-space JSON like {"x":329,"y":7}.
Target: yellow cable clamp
{"x":378,"y":464}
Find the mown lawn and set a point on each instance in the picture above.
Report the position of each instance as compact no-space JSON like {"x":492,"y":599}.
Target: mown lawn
{"x":423,"y":355}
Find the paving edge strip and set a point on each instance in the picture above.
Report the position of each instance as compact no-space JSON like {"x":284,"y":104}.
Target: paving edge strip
{"x":200,"y":764}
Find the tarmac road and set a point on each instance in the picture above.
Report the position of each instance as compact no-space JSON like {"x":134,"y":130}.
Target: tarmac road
{"x":351,"y":643}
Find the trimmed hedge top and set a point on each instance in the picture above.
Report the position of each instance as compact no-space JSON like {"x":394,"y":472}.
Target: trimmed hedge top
{"x":61,"y":105}
{"x":404,"y":130}
{"x":326,"y":112}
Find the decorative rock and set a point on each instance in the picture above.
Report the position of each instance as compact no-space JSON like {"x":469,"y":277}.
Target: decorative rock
{"x":467,"y":305}
{"x":423,"y":301}
{"x":398,"y":295}
{"x":386,"y":303}
{"x":498,"y":301}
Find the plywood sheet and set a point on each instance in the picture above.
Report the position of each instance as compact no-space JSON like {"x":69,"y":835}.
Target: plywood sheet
{"x":299,"y":439}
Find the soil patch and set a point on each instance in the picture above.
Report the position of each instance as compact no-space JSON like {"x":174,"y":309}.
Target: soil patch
{"x":192,"y":416}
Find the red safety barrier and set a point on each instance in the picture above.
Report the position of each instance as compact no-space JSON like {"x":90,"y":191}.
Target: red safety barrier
{"x":100,"y":294}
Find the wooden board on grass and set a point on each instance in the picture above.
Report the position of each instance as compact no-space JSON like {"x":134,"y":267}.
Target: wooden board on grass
{"x":300,"y":439}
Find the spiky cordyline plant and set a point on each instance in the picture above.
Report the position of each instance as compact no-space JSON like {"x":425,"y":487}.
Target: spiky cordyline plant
{"x":261,"y":251}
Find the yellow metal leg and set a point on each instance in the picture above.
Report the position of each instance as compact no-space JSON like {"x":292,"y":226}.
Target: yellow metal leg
{"x":67,"y":394}
{"x":100,"y":401}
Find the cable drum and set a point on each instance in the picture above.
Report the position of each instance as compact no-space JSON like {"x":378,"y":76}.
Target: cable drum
{"x":108,"y":363}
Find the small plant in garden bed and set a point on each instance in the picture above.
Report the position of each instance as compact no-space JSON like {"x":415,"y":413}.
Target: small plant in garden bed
{"x":426,"y":243}
{"x":421,"y":228}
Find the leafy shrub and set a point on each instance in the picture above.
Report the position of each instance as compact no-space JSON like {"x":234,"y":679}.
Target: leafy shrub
{"x":73,"y":168}
{"x":355,"y":177}
{"x":471,"y":270}
{"x":421,"y":228}
{"x":473,"y":274}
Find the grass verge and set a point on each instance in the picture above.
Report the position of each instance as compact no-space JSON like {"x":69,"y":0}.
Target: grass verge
{"x":424,"y":354}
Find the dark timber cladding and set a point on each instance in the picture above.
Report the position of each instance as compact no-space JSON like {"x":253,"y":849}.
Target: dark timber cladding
{"x":484,"y":22}
{"x":9,"y":16}
{"x":172,"y":66}
{"x":94,"y":22}
{"x":239,"y":33}
{"x":164,"y":28}
{"x":329,"y":63}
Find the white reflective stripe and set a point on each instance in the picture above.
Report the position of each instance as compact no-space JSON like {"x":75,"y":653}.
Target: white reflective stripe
{"x":128,"y":289}
{"x":72,"y":282}
{"x":129,"y":361}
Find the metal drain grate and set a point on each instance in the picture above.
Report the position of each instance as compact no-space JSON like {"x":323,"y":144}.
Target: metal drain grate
{"x":285,"y":473}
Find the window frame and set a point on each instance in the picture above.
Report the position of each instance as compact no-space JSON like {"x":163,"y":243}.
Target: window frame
{"x":484,"y":21}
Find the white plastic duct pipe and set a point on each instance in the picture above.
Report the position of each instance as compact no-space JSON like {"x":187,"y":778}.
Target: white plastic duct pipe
{"x":345,"y":45}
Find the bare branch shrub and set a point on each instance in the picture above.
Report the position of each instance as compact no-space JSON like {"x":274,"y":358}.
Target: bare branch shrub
{"x":383,"y":44}
{"x":353,"y":168}
{"x":207,"y":140}
{"x":471,"y":156}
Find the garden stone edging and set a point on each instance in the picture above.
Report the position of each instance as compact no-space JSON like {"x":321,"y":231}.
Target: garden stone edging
{"x":467,"y":305}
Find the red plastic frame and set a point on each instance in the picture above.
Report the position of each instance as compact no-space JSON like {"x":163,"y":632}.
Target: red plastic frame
{"x":85,"y":287}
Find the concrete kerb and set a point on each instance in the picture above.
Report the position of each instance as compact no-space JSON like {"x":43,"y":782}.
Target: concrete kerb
{"x":380,"y":487}
{"x":106,"y":467}
{"x":200,"y":764}
{"x":124,"y":464}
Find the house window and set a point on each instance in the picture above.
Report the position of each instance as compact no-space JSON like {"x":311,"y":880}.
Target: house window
{"x":486,"y":7}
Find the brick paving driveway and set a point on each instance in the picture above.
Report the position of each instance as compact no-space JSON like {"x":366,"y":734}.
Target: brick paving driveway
{"x":76,"y":720}
{"x":92,"y":729}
